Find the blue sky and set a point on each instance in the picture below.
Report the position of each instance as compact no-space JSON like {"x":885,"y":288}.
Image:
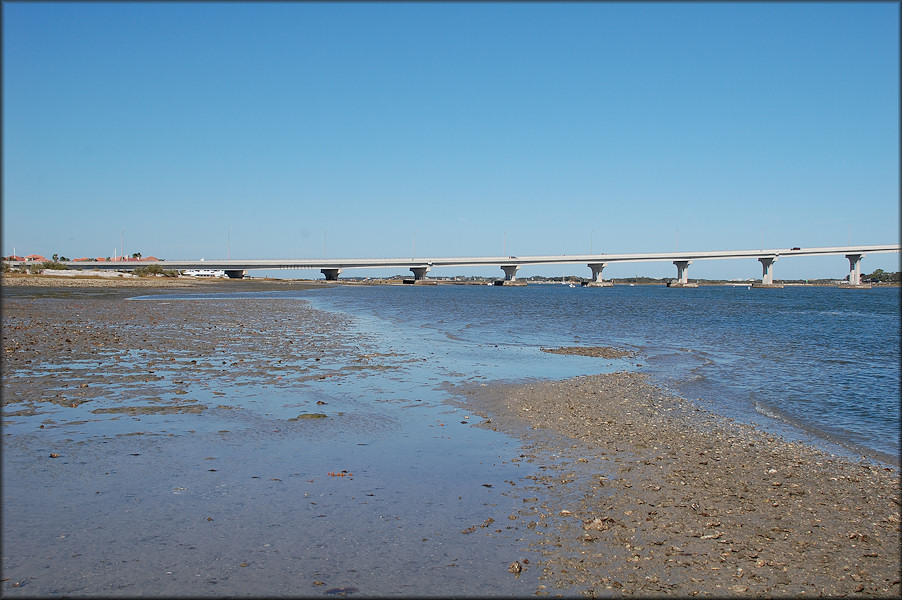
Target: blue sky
{"x":261,"y":130}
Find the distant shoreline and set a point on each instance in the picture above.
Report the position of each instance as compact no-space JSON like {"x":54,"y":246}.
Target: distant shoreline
{"x":107,"y":280}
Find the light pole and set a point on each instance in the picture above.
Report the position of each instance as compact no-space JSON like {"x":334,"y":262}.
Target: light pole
{"x":122,"y":242}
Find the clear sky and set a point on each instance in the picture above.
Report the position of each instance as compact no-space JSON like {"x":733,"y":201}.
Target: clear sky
{"x":277,"y":130}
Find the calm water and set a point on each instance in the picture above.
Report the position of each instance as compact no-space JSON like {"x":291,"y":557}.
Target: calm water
{"x":815,"y":361}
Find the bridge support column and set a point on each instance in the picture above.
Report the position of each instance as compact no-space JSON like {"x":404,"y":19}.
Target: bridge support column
{"x":236,"y":273}
{"x":767,"y":273}
{"x":855,"y":271}
{"x":682,"y":279}
{"x":510,"y":276}
{"x":331,"y":274}
{"x":597,"y":281}
{"x":419,"y":273}
{"x":510,"y":272}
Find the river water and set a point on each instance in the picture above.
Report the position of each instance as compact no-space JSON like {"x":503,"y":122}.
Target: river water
{"x":815,"y":362}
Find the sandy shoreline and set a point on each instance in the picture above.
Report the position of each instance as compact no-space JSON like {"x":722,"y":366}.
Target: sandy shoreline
{"x":653,"y":495}
{"x":14,"y":281}
{"x":627,"y":490}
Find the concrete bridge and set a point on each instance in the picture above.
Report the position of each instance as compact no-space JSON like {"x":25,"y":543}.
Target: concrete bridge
{"x":332,"y":268}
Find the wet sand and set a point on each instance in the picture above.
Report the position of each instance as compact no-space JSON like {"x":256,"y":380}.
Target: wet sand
{"x":621,"y":488}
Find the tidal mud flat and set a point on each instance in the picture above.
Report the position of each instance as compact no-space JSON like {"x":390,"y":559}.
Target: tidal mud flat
{"x":245,"y":446}
{"x":210,"y":447}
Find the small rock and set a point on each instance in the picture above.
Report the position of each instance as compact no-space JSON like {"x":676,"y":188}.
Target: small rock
{"x":515,"y":567}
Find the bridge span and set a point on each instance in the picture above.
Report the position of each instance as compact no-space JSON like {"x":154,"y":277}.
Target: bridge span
{"x":332,"y":268}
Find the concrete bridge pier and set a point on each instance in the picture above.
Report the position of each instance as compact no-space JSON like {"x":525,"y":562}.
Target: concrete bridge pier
{"x":510,"y":276}
{"x":767,"y":274}
{"x":855,"y":271}
{"x":236,"y":273}
{"x":331,"y":274}
{"x":419,"y":273}
{"x":597,"y":281}
{"x":682,"y":279}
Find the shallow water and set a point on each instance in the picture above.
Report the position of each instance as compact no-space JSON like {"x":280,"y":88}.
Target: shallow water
{"x":245,"y":498}
{"x":802,"y":361}
{"x":824,"y":361}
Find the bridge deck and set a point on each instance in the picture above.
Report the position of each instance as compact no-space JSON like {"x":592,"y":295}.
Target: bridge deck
{"x":414,"y":262}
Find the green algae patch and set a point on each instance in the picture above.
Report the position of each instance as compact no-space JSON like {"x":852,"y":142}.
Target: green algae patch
{"x":151,"y":410}
{"x":308,"y":416}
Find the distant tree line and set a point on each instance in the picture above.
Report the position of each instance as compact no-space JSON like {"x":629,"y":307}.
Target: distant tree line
{"x":881,"y":276}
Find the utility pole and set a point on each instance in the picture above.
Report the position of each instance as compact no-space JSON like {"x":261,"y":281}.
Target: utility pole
{"x":122,"y":243}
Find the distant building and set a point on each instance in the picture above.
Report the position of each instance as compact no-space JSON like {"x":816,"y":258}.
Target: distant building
{"x":35,"y":258}
{"x":138,"y":258}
